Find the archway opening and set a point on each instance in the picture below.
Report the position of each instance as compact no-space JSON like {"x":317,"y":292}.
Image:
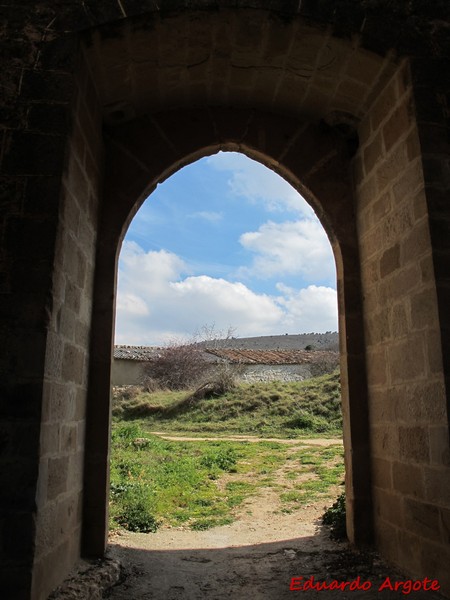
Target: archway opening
{"x":225,"y":241}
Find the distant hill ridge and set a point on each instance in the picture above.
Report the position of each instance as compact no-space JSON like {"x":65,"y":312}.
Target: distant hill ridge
{"x":318,"y":341}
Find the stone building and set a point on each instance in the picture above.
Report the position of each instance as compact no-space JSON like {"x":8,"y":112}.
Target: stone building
{"x":275,"y":365}
{"x":128,"y":366}
{"x":102,"y":100}
{"x":129,"y":362}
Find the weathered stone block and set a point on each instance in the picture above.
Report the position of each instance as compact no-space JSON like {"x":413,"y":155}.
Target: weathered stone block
{"x":437,"y":484}
{"x":50,"y":434}
{"x":57,"y":476}
{"x":389,"y":507}
{"x":390,"y":260}
{"x":73,"y":364}
{"x":399,"y":320}
{"x":422,"y":519}
{"x":397,"y":126}
{"x":68,"y":438}
{"x":382,"y":474}
{"x":408,"y":479}
{"x":384,"y":441}
{"x":406,"y":360}
{"x":372,"y":154}
{"x":384,"y":105}
{"x":414,"y":444}
{"x":440,"y":445}
{"x":424,"y":310}
{"x":376,"y":367}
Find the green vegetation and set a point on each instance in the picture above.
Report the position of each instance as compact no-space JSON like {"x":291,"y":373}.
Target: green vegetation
{"x":267,"y":409}
{"x":319,"y":469}
{"x":201,"y":484}
{"x":335,"y":517}
{"x":154,"y":481}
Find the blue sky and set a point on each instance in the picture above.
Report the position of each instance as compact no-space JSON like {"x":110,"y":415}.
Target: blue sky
{"x":224,"y":241}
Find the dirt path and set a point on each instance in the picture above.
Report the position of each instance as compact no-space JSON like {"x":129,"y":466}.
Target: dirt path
{"x":253,"y":558}
{"x":250,"y":438}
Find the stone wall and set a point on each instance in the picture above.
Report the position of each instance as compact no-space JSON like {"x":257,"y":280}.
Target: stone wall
{"x":60,"y":484}
{"x":127,"y":372}
{"x":254,"y":373}
{"x":297,"y":87}
{"x":406,"y":384}
{"x":131,"y":372}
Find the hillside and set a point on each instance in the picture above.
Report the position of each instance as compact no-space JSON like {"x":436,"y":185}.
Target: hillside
{"x":275,"y":408}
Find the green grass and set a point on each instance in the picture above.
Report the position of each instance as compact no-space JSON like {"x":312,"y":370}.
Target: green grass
{"x":156,"y":482}
{"x":267,"y":409}
{"x":320,"y":469}
{"x":200,"y":484}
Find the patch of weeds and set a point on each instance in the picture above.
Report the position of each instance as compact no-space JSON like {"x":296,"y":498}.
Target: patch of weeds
{"x":335,"y":518}
{"x":135,"y":511}
{"x":292,"y":496}
{"x":306,"y":421}
{"x":224,"y":459}
{"x":323,"y":467}
{"x":208,"y":523}
{"x":237,"y":492}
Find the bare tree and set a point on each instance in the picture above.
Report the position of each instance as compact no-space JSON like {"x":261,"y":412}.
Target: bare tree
{"x":184,"y":364}
{"x":178,"y":366}
{"x":211,"y":337}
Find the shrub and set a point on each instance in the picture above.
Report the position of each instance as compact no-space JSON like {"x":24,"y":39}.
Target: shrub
{"x":305,"y":420}
{"x":225,"y":460}
{"x":335,"y":518}
{"x":224,"y":377}
{"x":124,"y":434}
{"x":135,"y":513}
{"x":177,"y":367}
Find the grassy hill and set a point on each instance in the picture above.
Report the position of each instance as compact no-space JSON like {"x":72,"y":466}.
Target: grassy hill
{"x":273,"y":408}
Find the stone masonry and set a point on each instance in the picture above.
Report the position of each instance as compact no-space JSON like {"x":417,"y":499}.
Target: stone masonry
{"x":102,"y":100}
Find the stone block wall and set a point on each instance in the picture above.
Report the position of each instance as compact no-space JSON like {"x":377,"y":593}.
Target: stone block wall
{"x":35,"y":109}
{"x":285,"y":86}
{"x":254,"y":373}
{"x":407,"y":400}
{"x":60,"y":484}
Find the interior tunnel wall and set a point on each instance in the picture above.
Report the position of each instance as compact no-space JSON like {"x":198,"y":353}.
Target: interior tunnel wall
{"x":59,"y":494}
{"x":407,"y":400}
{"x":62,"y":221}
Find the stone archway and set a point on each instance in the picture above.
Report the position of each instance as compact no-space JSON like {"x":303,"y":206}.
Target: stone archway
{"x":103,"y":103}
{"x":327,"y":159}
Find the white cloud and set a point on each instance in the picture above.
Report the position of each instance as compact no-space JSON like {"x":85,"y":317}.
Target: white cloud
{"x":292,"y":247}
{"x":254,"y":182}
{"x":157,"y":301}
{"x":226,"y":303}
{"x":128,"y":304}
{"x":313,"y":308}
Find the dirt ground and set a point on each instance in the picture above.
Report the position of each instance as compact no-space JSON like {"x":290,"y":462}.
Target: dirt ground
{"x":250,"y":559}
{"x":254,"y":558}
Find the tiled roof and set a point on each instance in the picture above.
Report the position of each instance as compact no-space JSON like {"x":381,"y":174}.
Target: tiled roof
{"x":234,"y":355}
{"x":141,"y":353}
{"x":271,"y":357}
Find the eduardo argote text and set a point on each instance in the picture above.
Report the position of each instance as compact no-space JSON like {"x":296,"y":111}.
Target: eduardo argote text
{"x":303,"y":584}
